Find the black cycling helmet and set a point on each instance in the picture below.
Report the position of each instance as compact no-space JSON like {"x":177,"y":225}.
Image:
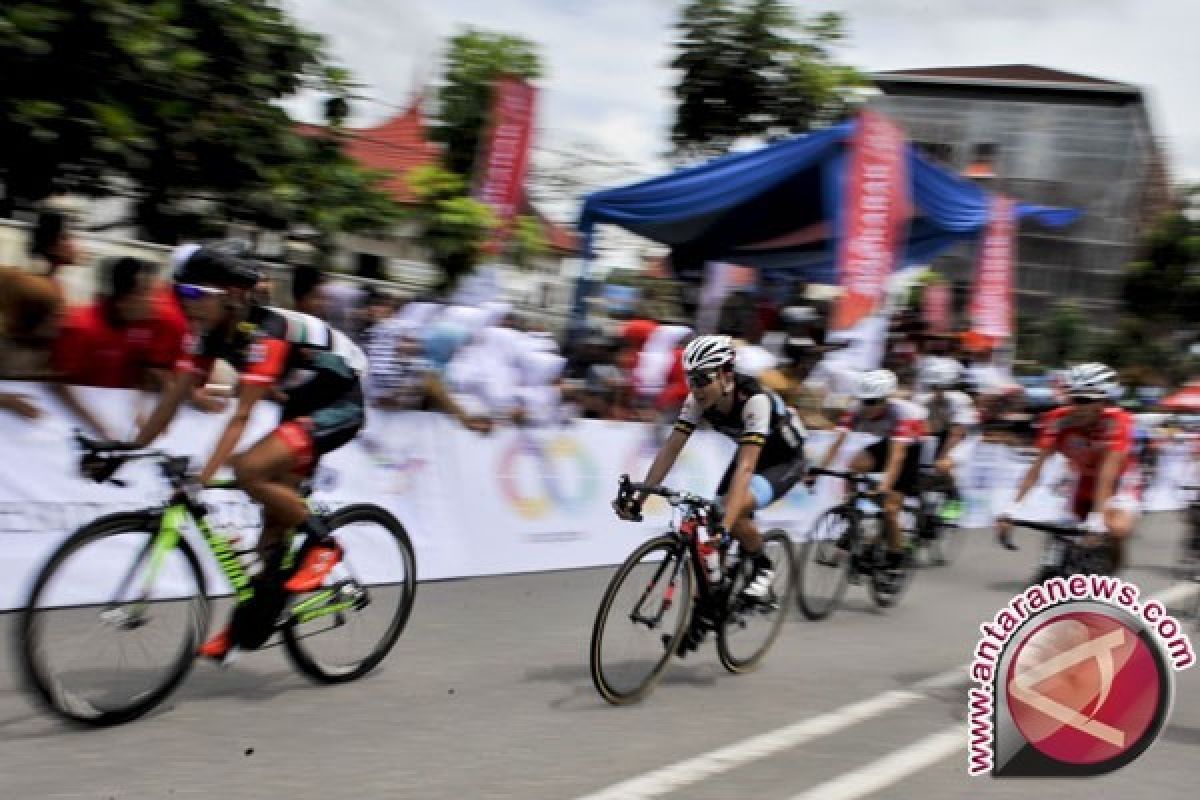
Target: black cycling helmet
{"x":220,"y":265}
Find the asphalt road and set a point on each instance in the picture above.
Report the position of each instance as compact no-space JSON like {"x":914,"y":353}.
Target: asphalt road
{"x":487,"y":695}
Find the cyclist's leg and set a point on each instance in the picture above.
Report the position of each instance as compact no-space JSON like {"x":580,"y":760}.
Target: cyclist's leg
{"x":270,"y":472}
{"x":1120,"y":517}
{"x":907,"y":484}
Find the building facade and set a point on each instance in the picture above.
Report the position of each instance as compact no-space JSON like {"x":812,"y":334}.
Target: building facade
{"x":1043,"y":136}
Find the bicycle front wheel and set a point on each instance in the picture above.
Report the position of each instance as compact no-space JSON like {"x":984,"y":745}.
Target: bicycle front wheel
{"x":111,"y":627}
{"x":344,"y":630}
{"x":750,"y":628}
{"x":641,"y":619}
{"x":824,"y":569}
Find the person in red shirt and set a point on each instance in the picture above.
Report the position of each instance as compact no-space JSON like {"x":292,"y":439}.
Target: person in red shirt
{"x":1096,"y":438}
{"x":130,"y":338}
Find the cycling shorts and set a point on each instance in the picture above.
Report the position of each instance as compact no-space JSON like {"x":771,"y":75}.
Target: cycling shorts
{"x":908,"y":481}
{"x":771,"y":480}
{"x":312,"y":434}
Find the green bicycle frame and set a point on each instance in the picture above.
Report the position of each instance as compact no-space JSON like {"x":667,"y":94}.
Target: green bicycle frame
{"x":169,"y":532}
{"x":171,"y":529}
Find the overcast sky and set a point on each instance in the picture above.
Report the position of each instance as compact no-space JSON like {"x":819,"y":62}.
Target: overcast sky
{"x":607,"y":81}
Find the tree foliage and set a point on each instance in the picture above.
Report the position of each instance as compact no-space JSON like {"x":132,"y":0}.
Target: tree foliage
{"x":172,"y":101}
{"x":752,"y":68}
{"x":1161,"y":304}
{"x":455,"y":228}
{"x":474,"y":60}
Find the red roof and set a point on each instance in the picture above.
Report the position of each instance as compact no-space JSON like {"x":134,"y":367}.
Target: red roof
{"x":396,"y":146}
{"x":1022,"y":73}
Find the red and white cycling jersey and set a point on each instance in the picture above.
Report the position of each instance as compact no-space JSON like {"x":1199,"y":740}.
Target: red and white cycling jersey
{"x":1085,"y":446}
{"x":901,"y":420}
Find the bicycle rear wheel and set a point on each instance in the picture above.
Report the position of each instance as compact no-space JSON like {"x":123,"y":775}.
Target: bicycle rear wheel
{"x":99,"y":642}
{"x":641,"y":618}
{"x":747,"y":630}
{"x":344,"y":630}
{"x":824,"y":569}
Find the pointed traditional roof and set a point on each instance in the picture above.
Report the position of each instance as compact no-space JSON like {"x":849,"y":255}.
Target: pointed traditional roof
{"x":397,"y":146}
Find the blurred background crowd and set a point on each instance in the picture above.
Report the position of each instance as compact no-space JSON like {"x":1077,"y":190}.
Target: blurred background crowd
{"x":496,"y":361}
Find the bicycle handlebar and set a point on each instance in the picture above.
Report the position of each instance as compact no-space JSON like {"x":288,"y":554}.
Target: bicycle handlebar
{"x":857,"y":477}
{"x":626,"y":489}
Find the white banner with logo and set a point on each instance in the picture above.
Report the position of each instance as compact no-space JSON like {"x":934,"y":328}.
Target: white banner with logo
{"x":518,"y":500}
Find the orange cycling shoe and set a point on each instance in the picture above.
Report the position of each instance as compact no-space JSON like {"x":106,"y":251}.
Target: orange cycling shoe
{"x":317,"y":565}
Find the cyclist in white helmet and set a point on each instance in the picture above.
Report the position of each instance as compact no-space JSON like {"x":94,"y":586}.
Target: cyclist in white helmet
{"x":1096,"y":437}
{"x":899,"y":426}
{"x":768,"y":462}
{"x":950,"y":415}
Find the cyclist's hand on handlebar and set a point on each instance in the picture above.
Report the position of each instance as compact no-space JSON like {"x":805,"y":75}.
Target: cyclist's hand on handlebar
{"x":631,"y":511}
{"x":99,"y":468}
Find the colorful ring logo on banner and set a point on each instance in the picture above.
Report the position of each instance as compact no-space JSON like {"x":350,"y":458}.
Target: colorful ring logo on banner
{"x":552,"y":460}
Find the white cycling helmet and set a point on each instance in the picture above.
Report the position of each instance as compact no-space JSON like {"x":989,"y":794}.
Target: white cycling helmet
{"x":877,"y":384}
{"x":708,"y":353}
{"x":941,"y":373}
{"x":1093,"y":381}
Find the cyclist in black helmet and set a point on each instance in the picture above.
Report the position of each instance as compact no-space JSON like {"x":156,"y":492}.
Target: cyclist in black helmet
{"x":314,"y":370}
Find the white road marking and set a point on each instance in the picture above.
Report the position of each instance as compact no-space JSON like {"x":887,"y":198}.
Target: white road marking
{"x":871,"y":778}
{"x":891,"y":768}
{"x":685,"y":773}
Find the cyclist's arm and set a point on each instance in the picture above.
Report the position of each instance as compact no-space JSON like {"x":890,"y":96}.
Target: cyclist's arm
{"x":956,"y":435}
{"x":1033,"y":474}
{"x":897,"y":449}
{"x":440,"y":398}
{"x":665,"y":459}
{"x":738,"y":499}
{"x":1106,"y":479}
{"x":168,"y":405}
{"x":831,"y":453}
{"x":78,"y":408}
{"x":248,"y":396}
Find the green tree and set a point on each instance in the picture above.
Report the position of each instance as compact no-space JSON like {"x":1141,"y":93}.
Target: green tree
{"x":1161,"y":304}
{"x":455,"y":228}
{"x":751,"y":68}
{"x":473,"y":62}
{"x":174,"y":102}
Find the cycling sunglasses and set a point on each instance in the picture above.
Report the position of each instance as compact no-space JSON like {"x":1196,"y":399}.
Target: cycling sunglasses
{"x":698,"y":379}
{"x":192,"y":291}
{"x":1086,"y":401}
{"x":874,"y":401}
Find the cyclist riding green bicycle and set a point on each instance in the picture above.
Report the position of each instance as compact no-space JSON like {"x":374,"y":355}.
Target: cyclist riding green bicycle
{"x":770,"y":455}
{"x":898,"y":425}
{"x":314,"y":371}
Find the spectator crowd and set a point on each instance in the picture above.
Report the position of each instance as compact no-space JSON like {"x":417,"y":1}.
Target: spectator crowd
{"x":486,"y":363}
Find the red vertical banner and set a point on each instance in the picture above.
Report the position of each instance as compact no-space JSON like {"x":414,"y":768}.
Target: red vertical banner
{"x":876,"y":207}
{"x":510,"y":140}
{"x":935,"y":307}
{"x":992,"y":304}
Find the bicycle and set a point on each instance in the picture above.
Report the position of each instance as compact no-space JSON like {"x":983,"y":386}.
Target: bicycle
{"x":1065,"y":554}
{"x":669,"y":568}
{"x":136,"y":577}
{"x":943,"y":540}
{"x":845,"y":544}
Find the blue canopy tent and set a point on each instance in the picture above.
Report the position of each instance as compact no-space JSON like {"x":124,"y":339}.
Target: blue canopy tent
{"x":778,"y":209}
